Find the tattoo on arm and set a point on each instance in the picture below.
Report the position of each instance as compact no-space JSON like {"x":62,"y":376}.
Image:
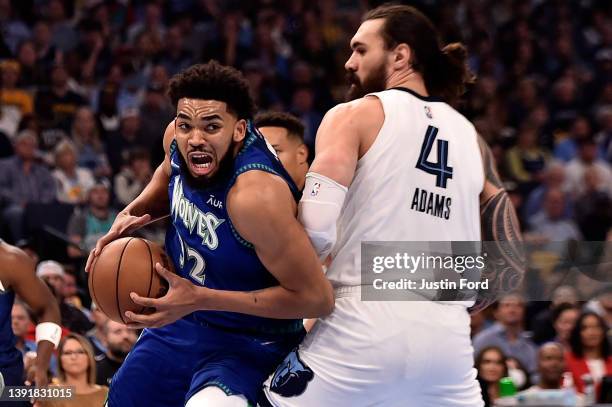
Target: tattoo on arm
{"x":488,"y":162}
{"x":505,"y":266}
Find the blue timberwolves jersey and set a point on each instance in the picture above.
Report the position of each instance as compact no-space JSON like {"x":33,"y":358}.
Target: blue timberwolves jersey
{"x":204,"y":245}
{"x":8,"y":352}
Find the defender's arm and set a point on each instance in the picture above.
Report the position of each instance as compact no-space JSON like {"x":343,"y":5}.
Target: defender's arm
{"x":499,"y":224}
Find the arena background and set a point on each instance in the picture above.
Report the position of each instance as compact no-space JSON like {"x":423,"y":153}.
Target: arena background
{"x":95,"y":73}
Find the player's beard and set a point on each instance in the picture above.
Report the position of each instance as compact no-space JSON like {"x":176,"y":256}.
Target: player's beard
{"x":226,"y":164}
{"x":375,"y":82}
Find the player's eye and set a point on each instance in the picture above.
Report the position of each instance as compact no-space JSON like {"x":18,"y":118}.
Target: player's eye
{"x":360,"y":51}
{"x":184,"y":126}
{"x":212,"y":127}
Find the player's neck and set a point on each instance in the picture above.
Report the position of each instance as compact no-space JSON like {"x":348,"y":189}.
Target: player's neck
{"x":408,"y":79}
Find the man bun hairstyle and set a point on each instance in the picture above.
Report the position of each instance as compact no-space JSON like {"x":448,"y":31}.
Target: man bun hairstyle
{"x":213,"y":81}
{"x":444,"y":69}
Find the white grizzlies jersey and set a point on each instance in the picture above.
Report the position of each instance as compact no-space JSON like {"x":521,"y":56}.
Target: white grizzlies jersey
{"x":419,"y":181}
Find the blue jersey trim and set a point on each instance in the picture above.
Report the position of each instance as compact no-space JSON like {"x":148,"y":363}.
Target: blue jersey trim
{"x":242,"y":170}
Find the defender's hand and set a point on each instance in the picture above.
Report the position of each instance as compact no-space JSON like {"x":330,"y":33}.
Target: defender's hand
{"x":178,"y":302}
{"x":124,"y":223}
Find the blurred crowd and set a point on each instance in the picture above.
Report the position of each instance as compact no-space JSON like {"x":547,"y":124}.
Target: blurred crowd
{"x":83,"y":107}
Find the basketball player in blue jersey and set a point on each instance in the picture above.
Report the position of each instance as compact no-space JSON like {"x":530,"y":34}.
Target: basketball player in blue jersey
{"x":285,"y":133}
{"x":17,"y":277}
{"x":246,"y":271}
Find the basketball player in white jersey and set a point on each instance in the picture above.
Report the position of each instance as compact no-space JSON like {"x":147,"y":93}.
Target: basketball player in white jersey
{"x":376,"y":158}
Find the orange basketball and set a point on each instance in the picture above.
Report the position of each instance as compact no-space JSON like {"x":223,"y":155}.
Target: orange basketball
{"x":127,"y":265}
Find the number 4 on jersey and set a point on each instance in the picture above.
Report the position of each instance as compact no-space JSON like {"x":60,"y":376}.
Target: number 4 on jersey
{"x":440,"y":169}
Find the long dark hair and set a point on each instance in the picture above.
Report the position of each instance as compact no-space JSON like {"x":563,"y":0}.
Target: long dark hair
{"x":576,"y":339}
{"x":444,"y":69}
{"x":481,"y":354}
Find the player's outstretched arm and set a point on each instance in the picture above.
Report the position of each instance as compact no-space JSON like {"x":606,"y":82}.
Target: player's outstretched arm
{"x":262,"y":210}
{"x":499,"y":224}
{"x":152,"y":203}
{"x":37,"y":295}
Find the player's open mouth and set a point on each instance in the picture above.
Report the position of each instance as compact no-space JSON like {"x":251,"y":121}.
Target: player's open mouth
{"x":200,"y":163}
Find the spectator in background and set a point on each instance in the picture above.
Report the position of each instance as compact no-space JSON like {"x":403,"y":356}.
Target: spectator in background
{"x":132,"y":179}
{"x":175,"y":57}
{"x":508,"y":332}
{"x":23,"y":181}
{"x":45,"y":52}
{"x":90,"y":149}
{"x":155,"y":112}
{"x":56,"y":106}
{"x":128,"y":138}
{"x":554,"y":178}
{"x":21,"y":323}
{"x":526,"y":161}
{"x":491,"y":365}
{"x":14,"y":30}
{"x":551,"y":225}
{"x":72,"y":318}
{"x":119,"y":340}
{"x":72,"y":182}
{"x":31,"y":74}
{"x":594,"y":207}
{"x":77,"y":368}
{"x":551,"y":367}
{"x":97,"y":335}
{"x":286,"y":135}
{"x":303,"y":107}
{"x":590,"y":351}
{"x":564,"y":320}
{"x":63,"y":35}
{"x":542,"y":324}
{"x":604,"y":137}
{"x":11,"y":94}
{"x":587,"y":158}
{"x":567,"y":148}
{"x":87,"y":225}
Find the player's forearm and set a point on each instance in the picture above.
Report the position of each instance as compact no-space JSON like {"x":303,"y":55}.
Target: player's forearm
{"x":44,"y":350}
{"x":505,"y":266}
{"x":153,"y":200}
{"x":273,"y":302}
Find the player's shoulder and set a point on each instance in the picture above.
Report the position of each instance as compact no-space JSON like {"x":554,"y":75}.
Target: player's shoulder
{"x":257,"y":191}
{"x":361,"y":109}
{"x":14,"y":262}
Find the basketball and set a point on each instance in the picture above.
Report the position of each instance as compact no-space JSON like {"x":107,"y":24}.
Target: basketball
{"x":127,"y":265}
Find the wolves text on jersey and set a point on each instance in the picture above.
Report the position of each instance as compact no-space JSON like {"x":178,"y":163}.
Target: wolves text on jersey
{"x":193,"y":218}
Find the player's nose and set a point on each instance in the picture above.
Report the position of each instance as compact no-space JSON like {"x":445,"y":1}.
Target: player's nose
{"x":351,"y":63}
{"x":197,"y":138}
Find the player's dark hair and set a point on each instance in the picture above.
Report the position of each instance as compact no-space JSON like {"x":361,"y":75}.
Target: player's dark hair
{"x":293,"y":125}
{"x":444,"y":69}
{"x":213,"y":81}
{"x":575,"y":340}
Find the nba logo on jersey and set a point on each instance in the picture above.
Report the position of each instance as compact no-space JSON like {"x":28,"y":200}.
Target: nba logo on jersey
{"x":315,"y":189}
{"x":428,"y":112}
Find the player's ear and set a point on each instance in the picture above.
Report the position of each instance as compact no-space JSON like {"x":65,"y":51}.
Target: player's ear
{"x":302,"y":153}
{"x":239,"y":130}
{"x":401,"y":56}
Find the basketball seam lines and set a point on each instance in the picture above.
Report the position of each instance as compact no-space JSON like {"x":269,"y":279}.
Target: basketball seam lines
{"x":93,"y":286}
{"x":151,"y":273}
{"x":117,"y":280}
